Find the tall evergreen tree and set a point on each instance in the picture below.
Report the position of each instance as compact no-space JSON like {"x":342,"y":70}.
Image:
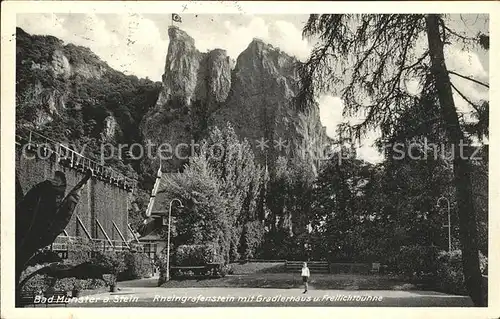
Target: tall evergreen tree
{"x":373,"y":56}
{"x":221,"y":186}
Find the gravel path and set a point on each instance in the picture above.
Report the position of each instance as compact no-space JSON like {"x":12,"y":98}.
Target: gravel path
{"x":268,"y":297}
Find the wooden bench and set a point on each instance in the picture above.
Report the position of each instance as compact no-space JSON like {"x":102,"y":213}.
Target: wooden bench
{"x":314,"y":266}
{"x":375,"y":268}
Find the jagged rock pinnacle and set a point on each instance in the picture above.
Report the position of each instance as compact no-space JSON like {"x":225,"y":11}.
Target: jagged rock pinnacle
{"x":201,"y":90}
{"x":177,"y":35}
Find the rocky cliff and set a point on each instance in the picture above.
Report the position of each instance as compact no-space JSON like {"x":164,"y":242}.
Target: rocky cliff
{"x":45,"y":67}
{"x":69,"y":94}
{"x":200,"y":90}
{"x":194,"y":85}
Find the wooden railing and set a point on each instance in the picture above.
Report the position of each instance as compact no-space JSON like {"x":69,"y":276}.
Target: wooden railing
{"x":314,"y":266}
{"x":63,"y":244}
{"x":66,"y":156}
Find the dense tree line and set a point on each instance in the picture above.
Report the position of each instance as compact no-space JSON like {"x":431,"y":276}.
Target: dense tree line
{"x":367,"y":59}
{"x":221,"y":189}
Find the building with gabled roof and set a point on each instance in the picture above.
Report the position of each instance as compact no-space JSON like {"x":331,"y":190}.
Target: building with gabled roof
{"x":151,"y":235}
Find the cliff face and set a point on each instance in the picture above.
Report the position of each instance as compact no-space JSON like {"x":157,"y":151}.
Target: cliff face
{"x":45,"y":68}
{"x":259,"y":106}
{"x":194,"y":84}
{"x":200,"y":90}
{"x":191,"y":75}
{"x":70,"y":95}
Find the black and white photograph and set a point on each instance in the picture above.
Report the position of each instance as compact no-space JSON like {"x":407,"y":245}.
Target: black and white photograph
{"x":182,"y":158}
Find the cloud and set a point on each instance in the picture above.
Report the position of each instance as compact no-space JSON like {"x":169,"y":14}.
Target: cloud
{"x":330,"y":113}
{"x":128,"y":43}
{"x":289,"y":39}
{"x":465,"y":62}
{"x":134,"y":44}
{"x":237,"y":37}
{"x":42,"y":23}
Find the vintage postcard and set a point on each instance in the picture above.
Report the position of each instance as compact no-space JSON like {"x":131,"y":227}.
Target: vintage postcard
{"x":248,"y":158}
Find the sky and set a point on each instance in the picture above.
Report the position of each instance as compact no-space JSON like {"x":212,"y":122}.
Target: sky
{"x":137,"y":44}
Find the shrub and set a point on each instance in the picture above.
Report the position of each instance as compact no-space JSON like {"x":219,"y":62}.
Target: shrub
{"x":483,"y":263}
{"x":217,"y":270}
{"x":209,"y":271}
{"x":80,"y":251}
{"x":226,"y":270}
{"x":90,"y":284}
{"x":110,"y":260}
{"x":37,"y":283}
{"x":230,"y":269}
{"x":251,"y":238}
{"x":450,"y":276}
{"x":42,"y":283}
{"x":67,"y":284}
{"x":160,"y":261}
{"x":195,"y":255}
{"x":137,"y":265}
{"x":183,"y":274}
{"x":418,"y":261}
{"x":161,"y":264}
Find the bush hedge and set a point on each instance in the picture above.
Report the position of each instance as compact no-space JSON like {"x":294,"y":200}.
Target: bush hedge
{"x":450,"y":275}
{"x":41,"y":283}
{"x":137,"y":265}
{"x":123,"y":265}
{"x":417,"y":261}
{"x":209,"y":271}
{"x":110,"y":260}
{"x":37,"y":283}
{"x":438,"y":270}
{"x":68,"y":284}
{"x":195,"y":255}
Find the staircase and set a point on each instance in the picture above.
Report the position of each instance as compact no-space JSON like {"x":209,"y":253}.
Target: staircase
{"x":315,"y":267}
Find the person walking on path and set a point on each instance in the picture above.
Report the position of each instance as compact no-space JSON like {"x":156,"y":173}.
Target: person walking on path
{"x":305,"y":276}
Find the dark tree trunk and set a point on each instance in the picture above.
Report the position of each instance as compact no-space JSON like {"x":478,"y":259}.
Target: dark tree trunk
{"x":461,"y":166}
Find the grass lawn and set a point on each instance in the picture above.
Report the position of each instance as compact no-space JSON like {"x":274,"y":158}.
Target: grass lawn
{"x":256,"y":267}
{"x":289,"y":280}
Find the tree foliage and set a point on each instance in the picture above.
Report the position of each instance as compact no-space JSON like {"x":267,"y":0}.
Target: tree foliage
{"x":220,"y":188}
{"x":372,"y":57}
